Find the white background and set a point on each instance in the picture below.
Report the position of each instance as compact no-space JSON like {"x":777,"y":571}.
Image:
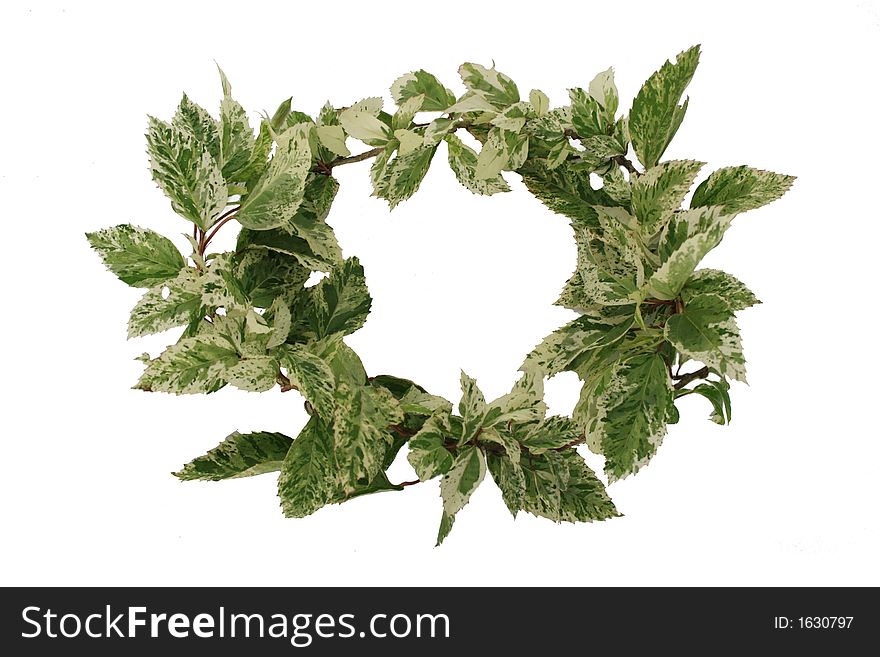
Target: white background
{"x":788,"y":494}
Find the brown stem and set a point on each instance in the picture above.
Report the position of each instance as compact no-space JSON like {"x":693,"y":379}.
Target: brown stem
{"x":404,"y":484}
{"x":285,"y":383}
{"x":223,"y":219}
{"x":326,"y":167}
{"x":684,"y":379}
{"x":627,"y":164}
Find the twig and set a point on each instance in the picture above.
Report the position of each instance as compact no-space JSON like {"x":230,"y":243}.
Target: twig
{"x":684,"y":379}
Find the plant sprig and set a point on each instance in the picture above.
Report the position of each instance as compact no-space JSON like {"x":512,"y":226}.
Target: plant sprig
{"x":644,"y":308}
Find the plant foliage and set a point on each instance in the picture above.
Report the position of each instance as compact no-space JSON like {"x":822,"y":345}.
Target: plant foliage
{"x":652,"y":326}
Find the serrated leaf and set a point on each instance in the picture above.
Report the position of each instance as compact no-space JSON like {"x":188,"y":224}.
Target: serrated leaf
{"x":409,"y":141}
{"x":337,"y":304}
{"x":660,"y":190}
{"x":561,"y":487}
{"x":236,"y":136}
{"x":311,"y":375}
{"x":513,"y":118}
{"x":552,"y":433}
{"x":623,"y":412}
{"x":656,"y":114}
{"x":403,"y":175}
{"x":362,"y":415}
{"x":472,"y":407}
{"x":362,"y":122}
{"x":333,"y":139}
{"x":588,"y":116}
{"x":254,"y":373}
{"x":221,"y":287}
{"x":172,"y":303}
{"x":427,"y":454}
{"x":239,"y":455}
{"x":738,"y":189}
{"x":463,"y":162}
{"x":138,"y":256}
{"x":728,"y":287}
{"x":278,"y":193}
{"x":266,"y":275}
{"x":306,"y":236}
{"x":420,"y":402}
{"x":198,"y":364}
{"x":437,"y":97}
{"x":407,"y":111}
{"x":498,"y":89}
{"x":690,"y":236}
{"x":308,"y":473}
{"x":565,"y":190}
{"x":503,"y":150}
{"x":559,"y":350}
{"x":523,"y":404}
{"x":706,"y":331}
{"x":186,"y":172}
{"x":458,"y":484}
{"x":199,"y":124}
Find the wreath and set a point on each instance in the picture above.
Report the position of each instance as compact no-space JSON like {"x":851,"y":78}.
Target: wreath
{"x":652,"y":327}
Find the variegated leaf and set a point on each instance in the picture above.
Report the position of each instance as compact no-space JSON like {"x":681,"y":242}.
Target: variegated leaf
{"x":728,"y":287}
{"x":308,"y":473}
{"x":428,"y":454}
{"x":186,"y":172}
{"x":560,"y":350}
{"x":737,"y":189}
{"x":337,"y":304}
{"x":436,"y":97}
{"x":498,"y":89}
{"x":239,"y":455}
{"x":173,"y":303}
{"x":333,"y":139}
{"x":458,"y":484}
{"x":403,"y":175}
{"x":360,"y":436}
{"x":660,"y":191}
{"x":138,"y":256}
{"x":552,"y":433}
{"x":706,"y":331}
{"x":236,"y":136}
{"x":198,"y":364}
{"x":311,"y":375}
{"x":561,"y":487}
{"x":277,"y":195}
{"x":463,"y":162}
{"x":656,"y":115}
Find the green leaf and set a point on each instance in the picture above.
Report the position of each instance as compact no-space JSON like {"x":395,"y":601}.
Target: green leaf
{"x":311,"y":375}
{"x":458,"y":484}
{"x":623,"y":412}
{"x":173,"y":303}
{"x":690,"y":236}
{"x":588,"y":116}
{"x":498,"y":89}
{"x":706,"y":331}
{"x":308,"y":474}
{"x":463,"y":162}
{"x":236,"y":136}
{"x":278,"y":193}
{"x":195,"y":121}
{"x":239,"y":455}
{"x":337,"y":304}
{"x":737,"y":189}
{"x":552,"y":433}
{"x":403,"y":175}
{"x":558,"y":351}
{"x":561,"y":487}
{"x":266,"y":275}
{"x":198,"y":364}
{"x":718,"y":394}
{"x":306,"y":236}
{"x":656,"y":114}
{"x":658,"y":192}
{"x":472,"y":407}
{"x":427,"y":453}
{"x":523,"y":404}
{"x":565,"y":190}
{"x":360,"y":435}
{"x":712,"y":281}
{"x":186,"y":172}
{"x":437,"y":97}
{"x":138,"y":256}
